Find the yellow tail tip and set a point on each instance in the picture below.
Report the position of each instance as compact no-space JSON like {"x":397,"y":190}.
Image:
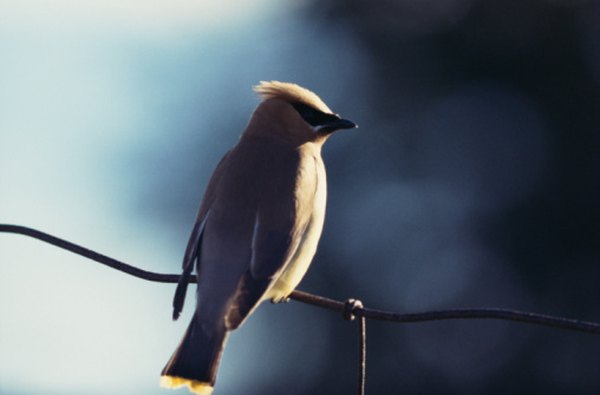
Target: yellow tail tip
{"x":195,"y":386}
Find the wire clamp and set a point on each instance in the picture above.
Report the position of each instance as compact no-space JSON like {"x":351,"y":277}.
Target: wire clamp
{"x":351,"y":307}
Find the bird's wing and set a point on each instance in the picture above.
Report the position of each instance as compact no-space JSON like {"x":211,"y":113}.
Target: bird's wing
{"x":192,"y":250}
{"x":271,"y":251}
{"x":281,"y":220}
{"x":272,"y":246}
{"x":191,"y":254}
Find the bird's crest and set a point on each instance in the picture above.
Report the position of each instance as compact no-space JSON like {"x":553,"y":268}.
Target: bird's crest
{"x":291,"y":93}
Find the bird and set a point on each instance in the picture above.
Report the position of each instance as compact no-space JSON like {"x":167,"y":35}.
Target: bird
{"x":257,"y":228}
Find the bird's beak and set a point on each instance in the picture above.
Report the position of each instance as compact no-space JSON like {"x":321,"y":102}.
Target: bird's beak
{"x":342,"y":124}
{"x":332,"y":126}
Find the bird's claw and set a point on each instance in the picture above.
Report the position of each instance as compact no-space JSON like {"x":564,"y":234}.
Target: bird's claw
{"x":285,"y":299}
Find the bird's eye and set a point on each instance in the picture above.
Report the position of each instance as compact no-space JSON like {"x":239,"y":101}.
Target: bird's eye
{"x":313,"y":116}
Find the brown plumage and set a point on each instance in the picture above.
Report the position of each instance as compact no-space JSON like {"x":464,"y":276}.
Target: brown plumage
{"x":258,"y":226}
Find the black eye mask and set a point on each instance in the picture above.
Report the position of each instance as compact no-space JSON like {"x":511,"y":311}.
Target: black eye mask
{"x":313,"y":116}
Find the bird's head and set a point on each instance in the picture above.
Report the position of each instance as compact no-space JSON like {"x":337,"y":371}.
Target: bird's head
{"x":294,"y":113}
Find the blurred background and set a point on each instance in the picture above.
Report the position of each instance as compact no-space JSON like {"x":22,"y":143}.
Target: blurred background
{"x":473,"y":181}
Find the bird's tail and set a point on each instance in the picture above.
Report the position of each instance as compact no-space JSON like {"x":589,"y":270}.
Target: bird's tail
{"x":196,"y":360}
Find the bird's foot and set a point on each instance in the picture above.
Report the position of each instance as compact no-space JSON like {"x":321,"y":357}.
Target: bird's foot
{"x":280,"y":299}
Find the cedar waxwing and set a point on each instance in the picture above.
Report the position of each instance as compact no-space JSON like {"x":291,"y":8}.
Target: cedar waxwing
{"x":258,"y":226}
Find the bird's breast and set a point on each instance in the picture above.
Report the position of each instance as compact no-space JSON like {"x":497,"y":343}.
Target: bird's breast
{"x":312,"y":186}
